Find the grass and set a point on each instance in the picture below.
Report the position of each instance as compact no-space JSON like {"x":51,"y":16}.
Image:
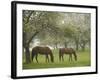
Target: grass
{"x":83,"y":60}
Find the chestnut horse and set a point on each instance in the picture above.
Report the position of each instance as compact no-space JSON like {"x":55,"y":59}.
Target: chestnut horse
{"x":67,"y":51}
{"x":43,"y":51}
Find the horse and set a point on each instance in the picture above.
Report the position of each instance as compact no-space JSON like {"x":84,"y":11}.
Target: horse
{"x":43,"y":51}
{"x":67,"y":51}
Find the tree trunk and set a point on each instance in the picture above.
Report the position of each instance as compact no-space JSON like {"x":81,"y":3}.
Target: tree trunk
{"x":77,"y":45}
{"x":65,"y":43}
{"x":56,"y":45}
{"x":83,"y":46}
{"x":89,"y":44}
{"x":27,"y":54}
{"x":26,"y":46}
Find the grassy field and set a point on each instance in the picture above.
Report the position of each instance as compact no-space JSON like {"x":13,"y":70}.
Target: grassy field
{"x":83,"y":60}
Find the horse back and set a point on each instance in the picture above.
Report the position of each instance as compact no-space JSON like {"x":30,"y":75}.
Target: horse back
{"x":66,"y":50}
{"x":41,"y":50}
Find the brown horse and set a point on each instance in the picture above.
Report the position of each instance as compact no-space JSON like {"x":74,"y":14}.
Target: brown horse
{"x":43,"y":51}
{"x":66,"y":51}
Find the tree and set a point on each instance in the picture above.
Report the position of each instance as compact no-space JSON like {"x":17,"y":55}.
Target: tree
{"x":68,"y":35}
{"x":78,"y":27}
{"x":37,"y":24}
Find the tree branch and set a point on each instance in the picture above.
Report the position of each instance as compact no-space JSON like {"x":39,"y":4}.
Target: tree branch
{"x":33,"y":36}
{"x":29,"y":17}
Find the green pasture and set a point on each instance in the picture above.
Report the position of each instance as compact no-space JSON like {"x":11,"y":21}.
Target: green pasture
{"x":83,"y":60}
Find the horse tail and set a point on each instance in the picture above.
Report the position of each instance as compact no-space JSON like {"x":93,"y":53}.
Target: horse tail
{"x":52,"y":57}
{"x":75,"y":56}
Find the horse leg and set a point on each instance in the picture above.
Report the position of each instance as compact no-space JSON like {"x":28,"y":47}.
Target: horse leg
{"x":59,"y":57}
{"x":70,"y":57}
{"x":32,"y":57}
{"x":47,"y":58}
{"x":62,"y":58}
{"x":36,"y":58}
